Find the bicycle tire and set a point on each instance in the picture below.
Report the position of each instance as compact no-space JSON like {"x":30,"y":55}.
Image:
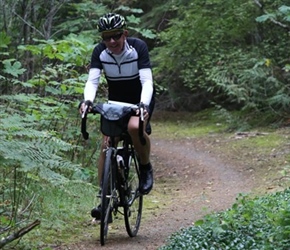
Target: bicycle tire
{"x":107,"y":195}
{"x":134,"y":200}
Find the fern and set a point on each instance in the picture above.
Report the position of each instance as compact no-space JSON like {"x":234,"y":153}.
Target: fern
{"x":35,"y":151}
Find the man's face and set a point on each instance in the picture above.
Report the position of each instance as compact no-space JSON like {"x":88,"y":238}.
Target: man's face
{"x":114,"y":40}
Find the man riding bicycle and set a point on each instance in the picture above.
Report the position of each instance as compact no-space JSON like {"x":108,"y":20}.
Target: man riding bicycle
{"x":126,"y":65}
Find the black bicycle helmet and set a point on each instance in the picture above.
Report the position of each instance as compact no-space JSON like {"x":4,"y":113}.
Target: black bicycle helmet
{"x":111,"y":21}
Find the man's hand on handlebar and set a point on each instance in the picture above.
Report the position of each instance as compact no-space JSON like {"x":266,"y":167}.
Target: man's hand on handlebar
{"x":143,"y":111}
{"x":85,"y":107}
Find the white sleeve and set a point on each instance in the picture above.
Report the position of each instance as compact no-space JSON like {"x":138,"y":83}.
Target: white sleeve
{"x":147,"y":85}
{"x":92,"y":84}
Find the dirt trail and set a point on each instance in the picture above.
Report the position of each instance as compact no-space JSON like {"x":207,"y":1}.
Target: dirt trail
{"x":194,"y":182}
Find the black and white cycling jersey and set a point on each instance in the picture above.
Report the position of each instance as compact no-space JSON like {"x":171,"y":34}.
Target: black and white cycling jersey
{"x":129,"y":74}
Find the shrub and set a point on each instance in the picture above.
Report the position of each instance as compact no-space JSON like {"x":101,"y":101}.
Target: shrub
{"x":259,"y":223}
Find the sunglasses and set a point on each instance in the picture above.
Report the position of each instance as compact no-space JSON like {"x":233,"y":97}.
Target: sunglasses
{"x":115,"y":37}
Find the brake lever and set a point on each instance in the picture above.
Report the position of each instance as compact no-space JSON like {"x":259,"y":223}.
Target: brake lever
{"x":142,"y":113}
{"x":85,"y":111}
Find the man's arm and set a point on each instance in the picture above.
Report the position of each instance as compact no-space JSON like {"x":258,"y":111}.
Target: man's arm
{"x":147,"y":85}
{"x":92,"y":84}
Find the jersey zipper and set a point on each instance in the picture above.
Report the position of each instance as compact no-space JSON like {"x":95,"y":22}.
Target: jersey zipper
{"x":119,"y":65}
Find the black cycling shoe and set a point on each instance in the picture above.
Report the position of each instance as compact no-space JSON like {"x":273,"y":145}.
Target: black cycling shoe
{"x":146,"y":178}
{"x":96,"y":213}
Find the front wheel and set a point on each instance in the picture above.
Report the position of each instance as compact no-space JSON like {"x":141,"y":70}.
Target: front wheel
{"x":107,"y":195}
{"x":134,"y":200}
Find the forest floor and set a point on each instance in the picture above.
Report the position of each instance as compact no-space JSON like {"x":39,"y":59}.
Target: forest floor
{"x":193,"y":177}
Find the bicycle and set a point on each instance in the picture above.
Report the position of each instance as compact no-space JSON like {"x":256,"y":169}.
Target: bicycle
{"x":120,"y":179}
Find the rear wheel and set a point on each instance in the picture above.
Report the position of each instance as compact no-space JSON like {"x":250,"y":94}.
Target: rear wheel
{"x":107,"y":196}
{"x":133,"y":199}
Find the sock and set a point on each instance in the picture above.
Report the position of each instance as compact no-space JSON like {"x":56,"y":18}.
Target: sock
{"x":146,"y":166}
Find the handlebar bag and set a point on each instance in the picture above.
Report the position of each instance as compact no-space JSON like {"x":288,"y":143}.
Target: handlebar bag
{"x":114,"y":118}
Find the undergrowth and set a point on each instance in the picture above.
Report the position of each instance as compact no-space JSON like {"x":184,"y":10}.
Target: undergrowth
{"x":261,"y":223}
{"x":63,"y":212}
{"x":64,"y":208}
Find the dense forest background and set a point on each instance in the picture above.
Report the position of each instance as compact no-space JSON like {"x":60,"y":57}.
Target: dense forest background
{"x":228,"y":55}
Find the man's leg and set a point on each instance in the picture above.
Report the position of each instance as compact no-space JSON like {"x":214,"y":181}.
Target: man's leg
{"x":146,"y":172}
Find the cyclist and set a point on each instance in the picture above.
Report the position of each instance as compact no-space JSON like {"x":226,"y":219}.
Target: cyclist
{"x":126,"y":65}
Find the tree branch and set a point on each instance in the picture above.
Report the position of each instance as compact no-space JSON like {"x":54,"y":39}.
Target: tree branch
{"x":38,"y":31}
{"x":259,"y":4}
{"x":19,"y":233}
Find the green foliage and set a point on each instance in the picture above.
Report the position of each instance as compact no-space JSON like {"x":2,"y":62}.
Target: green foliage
{"x":198,"y":40}
{"x":4,"y":40}
{"x":39,"y":153}
{"x":12,"y":67}
{"x":253,"y":86}
{"x":86,"y":21}
{"x":63,"y":211}
{"x":134,"y":24}
{"x":259,"y":223}
{"x":75,"y":49}
{"x":82,"y":17}
{"x":30,"y":157}
{"x":39,"y":128}
{"x":283,"y":11}
{"x":215,"y":54}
